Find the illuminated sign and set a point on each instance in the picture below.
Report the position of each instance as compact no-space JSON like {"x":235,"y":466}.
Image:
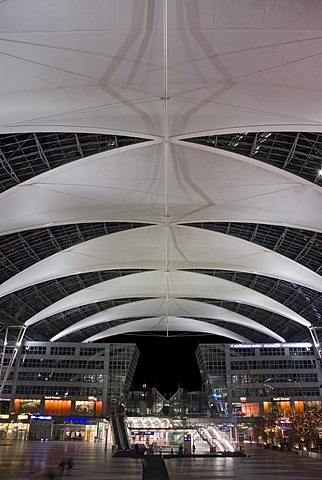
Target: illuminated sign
{"x":23,"y":416}
{"x":281,"y":399}
{"x":41,"y":417}
{"x":4,"y":416}
{"x":271,"y":345}
{"x":50,"y":397}
{"x":77,"y":419}
{"x":141,"y":432}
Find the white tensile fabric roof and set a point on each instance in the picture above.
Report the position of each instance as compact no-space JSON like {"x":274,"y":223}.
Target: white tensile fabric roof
{"x":164,"y":71}
{"x":142,"y":248}
{"x":174,"y":307}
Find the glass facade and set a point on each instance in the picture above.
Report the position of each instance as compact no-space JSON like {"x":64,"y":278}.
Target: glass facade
{"x":212,"y":364}
{"x":244,"y":380}
{"x":69,"y":378}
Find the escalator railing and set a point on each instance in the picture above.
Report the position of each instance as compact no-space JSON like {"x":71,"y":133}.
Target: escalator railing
{"x":120,"y":432}
{"x":213,"y":436}
{"x":124,"y":432}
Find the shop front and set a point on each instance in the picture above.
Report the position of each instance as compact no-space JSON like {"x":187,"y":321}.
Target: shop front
{"x":14,"y":427}
{"x":79,"y":429}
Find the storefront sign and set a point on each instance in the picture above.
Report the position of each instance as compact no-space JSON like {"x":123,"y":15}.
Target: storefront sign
{"x":77,"y":420}
{"x":142,"y":432}
{"x":41,"y":417}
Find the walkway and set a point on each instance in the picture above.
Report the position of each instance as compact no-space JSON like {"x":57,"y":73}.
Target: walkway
{"x":92,"y":462}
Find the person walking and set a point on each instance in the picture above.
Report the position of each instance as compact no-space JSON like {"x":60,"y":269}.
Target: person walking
{"x":180,"y":453}
{"x":69,"y":465}
{"x":193,"y":449}
{"x":62,"y":466}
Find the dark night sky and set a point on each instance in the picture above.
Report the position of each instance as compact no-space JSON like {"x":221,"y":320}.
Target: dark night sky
{"x":167,"y":363}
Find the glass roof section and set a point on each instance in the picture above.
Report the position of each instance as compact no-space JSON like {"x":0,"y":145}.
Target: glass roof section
{"x":295,"y":152}
{"x":25,"y":155}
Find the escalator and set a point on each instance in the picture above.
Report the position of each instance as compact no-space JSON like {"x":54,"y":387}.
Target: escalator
{"x":121,"y":441}
{"x":215,"y":439}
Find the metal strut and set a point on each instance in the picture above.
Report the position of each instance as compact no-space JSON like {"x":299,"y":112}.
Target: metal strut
{"x":316,"y":341}
{"x":21,"y":334}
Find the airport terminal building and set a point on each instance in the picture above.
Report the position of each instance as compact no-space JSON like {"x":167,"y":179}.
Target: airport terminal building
{"x":66,"y":385}
{"x":246,"y":380}
{"x":69,"y":391}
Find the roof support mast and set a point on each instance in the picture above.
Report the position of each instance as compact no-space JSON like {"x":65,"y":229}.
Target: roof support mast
{"x":166,"y":150}
{"x":21,"y":334}
{"x":316,"y":341}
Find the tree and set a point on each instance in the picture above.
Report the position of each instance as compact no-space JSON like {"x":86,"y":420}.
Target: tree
{"x":305,"y":424}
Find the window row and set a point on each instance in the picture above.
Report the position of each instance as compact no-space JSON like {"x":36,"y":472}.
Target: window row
{"x":61,"y":350}
{"x":60,"y":377}
{"x":273,"y":364}
{"x":242,"y":352}
{"x":89,"y":352}
{"x":276,"y":392}
{"x":69,"y":364}
{"x":275,"y":378}
{"x":271,"y":352}
{"x":34,"y":350}
{"x":303,"y":351}
{"x":61,"y":391}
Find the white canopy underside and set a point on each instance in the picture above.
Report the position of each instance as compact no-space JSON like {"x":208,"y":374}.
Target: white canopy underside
{"x":176,"y":307}
{"x":167,"y":284}
{"x":164,"y":71}
{"x":168,"y":323}
{"x":235,"y":65}
{"x":143,"y":248}
{"x":144,"y":183}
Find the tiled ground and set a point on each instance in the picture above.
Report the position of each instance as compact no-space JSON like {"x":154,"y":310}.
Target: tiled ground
{"x":260,"y":464}
{"x":92,"y":462}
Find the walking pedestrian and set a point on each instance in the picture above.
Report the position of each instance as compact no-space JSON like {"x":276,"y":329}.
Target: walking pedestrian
{"x":62,"y":466}
{"x":69,"y":465}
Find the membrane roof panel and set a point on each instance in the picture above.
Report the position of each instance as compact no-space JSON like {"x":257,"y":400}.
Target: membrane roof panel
{"x":144,"y":145}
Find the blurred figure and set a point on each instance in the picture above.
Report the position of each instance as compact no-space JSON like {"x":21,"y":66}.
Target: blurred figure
{"x":62,"y":466}
{"x":180,"y":452}
{"x":69,"y":465}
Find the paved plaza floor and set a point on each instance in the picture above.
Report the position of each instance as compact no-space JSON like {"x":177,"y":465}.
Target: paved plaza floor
{"x":93,"y":462}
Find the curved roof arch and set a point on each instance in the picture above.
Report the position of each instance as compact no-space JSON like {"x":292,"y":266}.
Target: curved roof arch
{"x":166,"y":324}
{"x":167,"y":72}
{"x":129,"y":185}
{"x":175,"y":307}
{"x":187,"y":248}
{"x":167,"y":284}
